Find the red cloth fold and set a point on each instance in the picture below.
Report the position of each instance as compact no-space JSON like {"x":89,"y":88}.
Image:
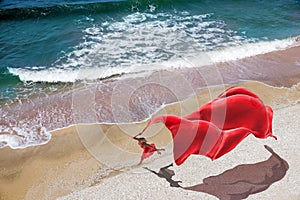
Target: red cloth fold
{"x":218,"y":126}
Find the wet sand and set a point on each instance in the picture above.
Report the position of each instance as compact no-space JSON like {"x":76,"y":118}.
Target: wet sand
{"x":104,"y":155}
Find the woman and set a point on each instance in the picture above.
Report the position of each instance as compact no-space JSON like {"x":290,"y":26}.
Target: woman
{"x":149,"y":149}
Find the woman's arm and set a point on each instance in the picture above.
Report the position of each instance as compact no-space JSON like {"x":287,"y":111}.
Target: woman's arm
{"x":153,"y":147}
{"x":135,"y":137}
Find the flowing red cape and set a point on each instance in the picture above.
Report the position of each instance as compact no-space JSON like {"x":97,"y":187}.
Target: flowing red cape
{"x":218,"y":126}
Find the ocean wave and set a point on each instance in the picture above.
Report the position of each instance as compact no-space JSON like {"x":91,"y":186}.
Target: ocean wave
{"x":137,"y":42}
{"x":141,"y":42}
{"x":54,"y":75}
{"x":7,"y":78}
{"x":251,"y":49}
{"x":68,"y":74}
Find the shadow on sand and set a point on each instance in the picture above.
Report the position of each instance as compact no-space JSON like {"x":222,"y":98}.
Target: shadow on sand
{"x":238,"y":182}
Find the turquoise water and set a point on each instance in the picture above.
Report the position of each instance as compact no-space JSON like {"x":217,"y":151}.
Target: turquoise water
{"x":63,"y":36}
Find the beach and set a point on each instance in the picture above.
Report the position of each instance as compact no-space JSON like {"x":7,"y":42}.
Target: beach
{"x":141,"y":184}
{"x":73,"y":162}
{"x":79,"y":79}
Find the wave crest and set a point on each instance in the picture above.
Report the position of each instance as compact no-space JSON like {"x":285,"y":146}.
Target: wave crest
{"x":52,"y":75}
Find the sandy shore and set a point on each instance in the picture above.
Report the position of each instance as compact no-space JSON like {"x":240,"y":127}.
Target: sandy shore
{"x":99,"y":161}
{"x":249,"y":159}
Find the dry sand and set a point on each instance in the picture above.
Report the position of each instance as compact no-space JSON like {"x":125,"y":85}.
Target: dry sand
{"x":98,"y":161}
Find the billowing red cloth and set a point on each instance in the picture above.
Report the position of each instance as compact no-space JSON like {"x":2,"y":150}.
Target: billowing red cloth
{"x":218,"y":126}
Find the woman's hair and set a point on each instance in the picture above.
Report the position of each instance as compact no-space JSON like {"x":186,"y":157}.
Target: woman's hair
{"x":143,"y":140}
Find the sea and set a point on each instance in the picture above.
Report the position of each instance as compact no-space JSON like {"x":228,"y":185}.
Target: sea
{"x":51,"y":50}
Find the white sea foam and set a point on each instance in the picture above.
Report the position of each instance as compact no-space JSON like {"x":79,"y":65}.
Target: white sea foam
{"x":24,"y":138}
{"x":130,"y":43}
{"x":250,"y":49}
{"x":92,"y":73}
{"x":46,"y":75}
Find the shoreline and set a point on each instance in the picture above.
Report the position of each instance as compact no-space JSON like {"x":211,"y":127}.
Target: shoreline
{"x":140,"y":96}
{"x":75,"y":157}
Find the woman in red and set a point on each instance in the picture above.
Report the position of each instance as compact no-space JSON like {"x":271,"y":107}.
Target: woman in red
{"x":149,"y":149}
{"x":218,"y":126}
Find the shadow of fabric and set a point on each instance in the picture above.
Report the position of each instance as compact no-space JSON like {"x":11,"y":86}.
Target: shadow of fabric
{"x":244,"y":180}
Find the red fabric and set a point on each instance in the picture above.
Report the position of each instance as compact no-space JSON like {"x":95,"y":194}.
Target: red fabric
{"x":218,"y":126}
{"x":148,"y":151}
